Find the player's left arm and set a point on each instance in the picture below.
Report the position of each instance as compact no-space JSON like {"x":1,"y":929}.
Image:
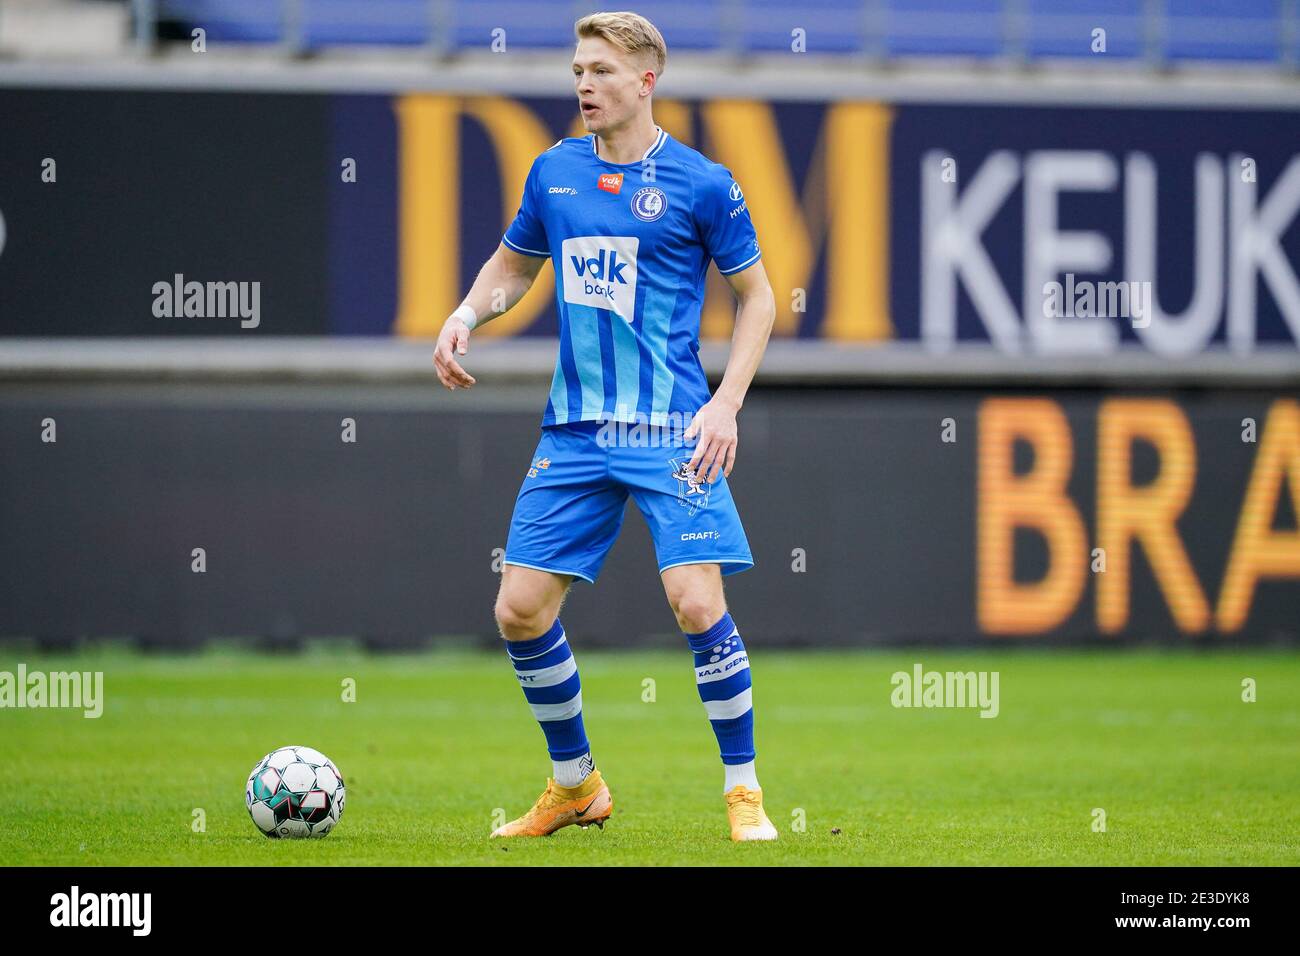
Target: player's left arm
{"x":715,"y":423}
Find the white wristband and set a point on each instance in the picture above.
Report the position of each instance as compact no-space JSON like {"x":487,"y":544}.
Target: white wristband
{"x":466,"y":315}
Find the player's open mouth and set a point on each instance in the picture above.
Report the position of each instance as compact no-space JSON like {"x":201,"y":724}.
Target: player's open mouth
{"x":589,"y":108}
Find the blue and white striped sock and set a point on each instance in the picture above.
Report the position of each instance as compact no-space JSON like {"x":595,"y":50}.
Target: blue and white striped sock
{"x":723,"y":679}
{"x":549,"y":676}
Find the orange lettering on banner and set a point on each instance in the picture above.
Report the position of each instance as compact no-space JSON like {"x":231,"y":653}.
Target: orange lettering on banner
{"x":1147,"y":514}
{"x":1257,"y":550}
{"x":1038,"y":500}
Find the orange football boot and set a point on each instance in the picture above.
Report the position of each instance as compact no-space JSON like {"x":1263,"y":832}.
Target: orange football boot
{"x":745,"y":810}
{"x":586,"y":804}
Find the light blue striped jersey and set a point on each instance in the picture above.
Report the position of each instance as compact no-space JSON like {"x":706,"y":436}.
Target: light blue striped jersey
{"x":631,"y":244}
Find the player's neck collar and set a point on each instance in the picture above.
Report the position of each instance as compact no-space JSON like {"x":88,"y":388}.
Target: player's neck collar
{"x":661,"y":140}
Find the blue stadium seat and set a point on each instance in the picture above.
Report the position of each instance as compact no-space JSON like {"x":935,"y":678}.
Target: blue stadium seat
{"x":239,"y":21}
{"x":945,"y":28}
{"x":685,"y":24}
{"x":527,"y":23}
{"x":395,"y":22}
{"x":1243,"y":30}
{"x":830,"y":26}
{"x":1064,"y":28}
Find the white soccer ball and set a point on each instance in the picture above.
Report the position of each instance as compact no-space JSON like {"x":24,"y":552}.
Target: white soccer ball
{"x":295,"y":792}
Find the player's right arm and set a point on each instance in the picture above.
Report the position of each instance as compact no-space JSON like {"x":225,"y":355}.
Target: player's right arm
{"x":502,"y":281}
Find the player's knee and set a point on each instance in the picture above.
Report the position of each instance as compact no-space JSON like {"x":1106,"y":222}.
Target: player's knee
{"x":519,"y":620}
{"x":696,"y":613}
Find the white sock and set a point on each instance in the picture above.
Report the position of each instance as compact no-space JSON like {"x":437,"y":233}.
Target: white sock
{"x":570,"y":773}
{"x":740,"y":773}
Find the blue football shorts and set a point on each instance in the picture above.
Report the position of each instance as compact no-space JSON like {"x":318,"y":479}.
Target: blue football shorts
{"x":570,"y":506}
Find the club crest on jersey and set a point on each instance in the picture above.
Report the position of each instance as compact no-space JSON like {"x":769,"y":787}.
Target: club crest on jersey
{"x":610,"y":182}
{"x":538,"y":464}
{"x":649,"y":203}
{"x":692,"y":490}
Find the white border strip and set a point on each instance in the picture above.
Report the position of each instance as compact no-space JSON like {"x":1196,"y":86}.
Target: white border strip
{"x":378,"y":359}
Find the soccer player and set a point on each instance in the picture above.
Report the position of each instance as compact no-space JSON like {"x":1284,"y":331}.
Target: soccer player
{"x":629,"y":218}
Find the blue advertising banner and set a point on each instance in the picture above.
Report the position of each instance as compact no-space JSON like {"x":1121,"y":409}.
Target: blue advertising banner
{"x":1039,"y":230}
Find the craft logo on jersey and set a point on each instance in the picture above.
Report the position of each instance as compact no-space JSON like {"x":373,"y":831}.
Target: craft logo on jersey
{"x":692,"y":490}
{"x":611,"y":182}
{"x":600,"y":271}
{"x":649,"y":203}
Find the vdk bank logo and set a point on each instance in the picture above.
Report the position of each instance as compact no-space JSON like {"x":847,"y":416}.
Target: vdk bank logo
{"x":600,"y":271}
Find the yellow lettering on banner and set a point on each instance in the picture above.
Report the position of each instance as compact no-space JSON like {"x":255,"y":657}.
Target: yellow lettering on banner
{"x":1149,"y":513}
{"x":857,"y":262}
{"x":430,"y":285}
{"x":1257,"y":550}
{"x":844,"y":200}
{"x":1006,"y":501}
{"x":517,"y":136}
{"x":428,"y":212}
{"x":842,"y":207}
{"x":743,"y":136}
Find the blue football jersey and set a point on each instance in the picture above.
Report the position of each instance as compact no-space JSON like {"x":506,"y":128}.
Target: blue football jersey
{"x":631,"y":244}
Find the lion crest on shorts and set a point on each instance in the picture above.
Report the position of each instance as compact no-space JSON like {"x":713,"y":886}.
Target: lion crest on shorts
{"x":692,"y":489}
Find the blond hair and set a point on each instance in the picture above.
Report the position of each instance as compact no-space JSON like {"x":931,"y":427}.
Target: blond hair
{"x":630,"y":32}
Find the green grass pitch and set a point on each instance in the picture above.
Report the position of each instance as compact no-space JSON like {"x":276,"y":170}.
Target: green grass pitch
{"x":435,"y":743}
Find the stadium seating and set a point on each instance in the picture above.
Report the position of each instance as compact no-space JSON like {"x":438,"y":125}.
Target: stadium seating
{"x":1158,"y":31}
